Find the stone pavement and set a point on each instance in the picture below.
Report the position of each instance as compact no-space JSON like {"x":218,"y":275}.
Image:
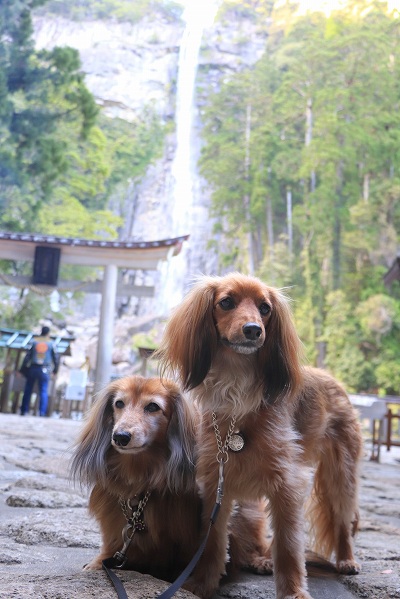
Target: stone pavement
{"x":46,"y":535}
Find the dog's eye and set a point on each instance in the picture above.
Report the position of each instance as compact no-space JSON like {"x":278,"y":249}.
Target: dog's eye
{"x":119,"y":404}
{"x":265,"y":309}
{"x":227,"y":303}
{"x":152,"y":407}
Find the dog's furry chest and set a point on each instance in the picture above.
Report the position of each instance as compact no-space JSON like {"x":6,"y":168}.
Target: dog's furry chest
{"x":270,"y":451}
{"x":230,"y":392}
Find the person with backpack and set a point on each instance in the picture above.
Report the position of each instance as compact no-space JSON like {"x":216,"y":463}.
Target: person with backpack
{"x":40,"y":361}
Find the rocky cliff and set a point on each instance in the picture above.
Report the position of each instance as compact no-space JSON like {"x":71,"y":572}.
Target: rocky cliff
{"x":126,"y":65}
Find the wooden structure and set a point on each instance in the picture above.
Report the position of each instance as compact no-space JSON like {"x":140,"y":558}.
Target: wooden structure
{"x":379,"y":411}
{"x":145,"y":353}
{"x":393,"y":274}
{"x":16,"y":343}
{"x":143,"y":255}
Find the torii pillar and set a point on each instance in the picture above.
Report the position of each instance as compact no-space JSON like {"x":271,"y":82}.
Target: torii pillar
{"x":107,"y":312}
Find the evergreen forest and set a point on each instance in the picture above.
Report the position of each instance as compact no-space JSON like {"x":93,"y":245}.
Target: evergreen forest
{"x":302,"y":153}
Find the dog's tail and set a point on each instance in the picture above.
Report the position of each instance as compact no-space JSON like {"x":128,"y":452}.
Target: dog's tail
{"x":332,"y":507}
{"x":317,"y":565}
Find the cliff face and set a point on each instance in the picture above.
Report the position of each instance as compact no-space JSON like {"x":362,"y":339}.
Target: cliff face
{"x":128,"y":66}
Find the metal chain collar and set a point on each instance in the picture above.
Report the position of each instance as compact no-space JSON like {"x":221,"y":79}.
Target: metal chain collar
{"x":133,"y":513}
{"x":222,"y":454}
{"x":134,"y":523}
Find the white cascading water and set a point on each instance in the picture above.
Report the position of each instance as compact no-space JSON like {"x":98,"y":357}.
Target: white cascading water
{"x":197,"y":16}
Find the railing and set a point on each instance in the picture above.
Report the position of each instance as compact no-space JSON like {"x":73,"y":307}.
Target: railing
{"x":384,"y":414}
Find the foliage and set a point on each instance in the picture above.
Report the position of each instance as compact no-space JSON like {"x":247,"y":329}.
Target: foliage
{"x":122,"y":10}
{"x":324,"y":132}
{"x":249,"y":9}
{"x":132,"y":146}
{"x":43,"y":96}
{"x":25,"y":312}
{"x":60,"y":160}
{"x":146,"y":340}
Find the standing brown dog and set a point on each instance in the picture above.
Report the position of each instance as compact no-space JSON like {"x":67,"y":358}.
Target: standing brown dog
{"x":137,"y":449}
{"x":232,"y":341}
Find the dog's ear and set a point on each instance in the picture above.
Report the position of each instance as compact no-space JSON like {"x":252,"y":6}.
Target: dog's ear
{"x":279,"y":360}
{"x":181,"y":441}
{"x":88,"y":465}
{"x":190,"y":338}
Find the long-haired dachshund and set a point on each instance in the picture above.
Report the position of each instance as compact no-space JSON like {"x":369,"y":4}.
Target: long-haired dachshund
{"x":137,"y":452}
{"x":232,"y":342}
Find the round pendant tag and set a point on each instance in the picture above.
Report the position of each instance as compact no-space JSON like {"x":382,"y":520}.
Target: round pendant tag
{"x":236,"y":442}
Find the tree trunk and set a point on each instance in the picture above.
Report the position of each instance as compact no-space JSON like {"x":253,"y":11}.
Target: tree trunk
{"x":308,"y":139}
{"x":246,"y":199}
{"x":258,"y":244}
{"x":270,"y":230}
{"x":337,"y":229}
{"x":289,"y":221}
{"x":366,"y":188}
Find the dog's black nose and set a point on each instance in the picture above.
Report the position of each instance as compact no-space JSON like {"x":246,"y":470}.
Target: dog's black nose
{"x":252,"y":331}
{"x":122,"y":439}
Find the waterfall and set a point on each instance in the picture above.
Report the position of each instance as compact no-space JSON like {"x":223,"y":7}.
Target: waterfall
{"x":175,"y":276}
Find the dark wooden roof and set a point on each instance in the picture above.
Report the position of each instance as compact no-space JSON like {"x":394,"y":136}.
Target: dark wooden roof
{"x":92,"y":252}
{"x":53,"y":240}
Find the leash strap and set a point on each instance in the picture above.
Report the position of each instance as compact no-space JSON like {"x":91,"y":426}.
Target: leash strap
{"x":119,"y":587}
{"x":111,"y":562}
{"x":171,"y":590}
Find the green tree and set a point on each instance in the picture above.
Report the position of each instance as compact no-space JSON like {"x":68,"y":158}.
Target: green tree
{"x":323,"y":176}
{"x":123,"y":10}
{"x":41,"y":91}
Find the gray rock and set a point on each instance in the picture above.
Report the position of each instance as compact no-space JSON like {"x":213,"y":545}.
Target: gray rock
{"x":46,"y":499}
{"x":83,"y":586}
{"x":46,"y":534}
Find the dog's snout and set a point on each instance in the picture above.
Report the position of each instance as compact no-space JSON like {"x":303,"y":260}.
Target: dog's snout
{"x":122,"y":439}
{"x":252,"y":331}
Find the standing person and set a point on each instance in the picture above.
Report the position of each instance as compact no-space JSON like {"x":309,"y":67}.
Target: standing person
{"x":37,"y":366}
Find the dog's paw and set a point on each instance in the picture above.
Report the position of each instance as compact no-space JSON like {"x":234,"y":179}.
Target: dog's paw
{"x":259,"y":564}
{"x":348,"y":566}
{"x":201,"y":589}
{"x":95,"y":564}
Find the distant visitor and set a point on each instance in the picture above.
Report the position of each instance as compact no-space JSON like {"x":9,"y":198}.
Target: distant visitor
{"x":40,"y":361}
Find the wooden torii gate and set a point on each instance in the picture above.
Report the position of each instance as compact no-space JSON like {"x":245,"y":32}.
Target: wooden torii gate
{"x":111,"y":255}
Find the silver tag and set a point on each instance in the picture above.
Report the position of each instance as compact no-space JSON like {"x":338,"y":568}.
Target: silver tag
{"x":236,"y":442}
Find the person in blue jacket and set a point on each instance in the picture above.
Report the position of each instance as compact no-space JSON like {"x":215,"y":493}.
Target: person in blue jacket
{"x":40,"y":361}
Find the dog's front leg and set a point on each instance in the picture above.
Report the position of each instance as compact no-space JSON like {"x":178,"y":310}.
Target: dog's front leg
{"x":288,"y":552}
{"x":211,"y":567}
